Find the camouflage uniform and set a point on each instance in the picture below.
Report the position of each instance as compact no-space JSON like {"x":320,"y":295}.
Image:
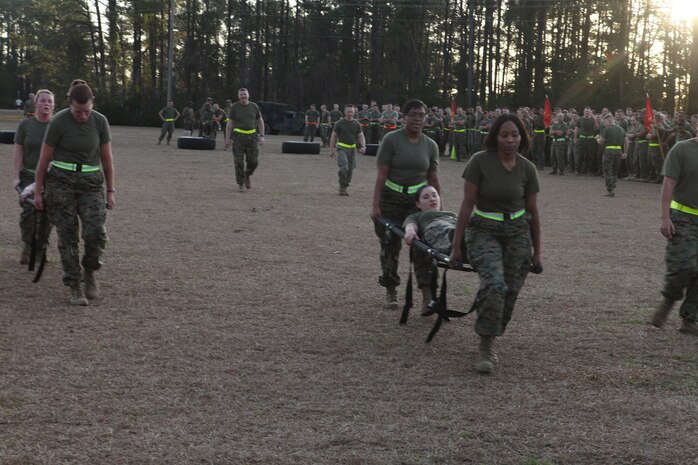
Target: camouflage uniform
{"x":71,"y":195}
{"x":396,"y":206}
{"x":500,"y":252}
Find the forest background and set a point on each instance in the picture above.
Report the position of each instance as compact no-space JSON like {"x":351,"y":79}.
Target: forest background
{"x":488,"y":52}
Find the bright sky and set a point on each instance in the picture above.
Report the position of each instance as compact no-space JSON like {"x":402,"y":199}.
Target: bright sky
{"x":680,"y":9}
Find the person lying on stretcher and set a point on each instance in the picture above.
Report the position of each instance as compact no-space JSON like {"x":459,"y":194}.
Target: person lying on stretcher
{"x":430,"y":224}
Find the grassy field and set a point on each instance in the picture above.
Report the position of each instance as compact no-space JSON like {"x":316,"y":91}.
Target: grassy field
{"x":248,"y":329}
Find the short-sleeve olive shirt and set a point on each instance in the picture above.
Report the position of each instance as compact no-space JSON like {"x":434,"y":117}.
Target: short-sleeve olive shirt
{"x":500,"y":190}
{"x":30,"y":135}
{"x":76,"y":142}
{"x":347,"y":131}
{"x":409,"y":163}
{"x":682,"y":164}
{"x":245,"y":116}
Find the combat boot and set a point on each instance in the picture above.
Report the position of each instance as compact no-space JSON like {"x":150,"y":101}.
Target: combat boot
{"x":390,"y":299}
{"x":426,"y":300}
{"x":688,"y":327}
{"x":241,"y":188}
{"x":26,"y":254}
{"x":609,"y":193}
{"x":486,"y":356}
{"x":248,"y":183}
{"x":76,"y":295}
{"x":91,"y":285}
{"x":660,"y":315}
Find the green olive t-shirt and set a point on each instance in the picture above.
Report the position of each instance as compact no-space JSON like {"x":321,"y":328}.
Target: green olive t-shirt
{"x":500,"y":190}
{"x":77,"y":142}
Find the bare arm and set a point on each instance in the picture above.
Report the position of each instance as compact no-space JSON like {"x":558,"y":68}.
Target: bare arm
{"x":466,"y":210}
{"x":333,"y":144}
{"x":532,"y":208}
{"x":108,"y":168}
{"x":362,"y":142}
{"x":667,"y":227}
{"x":19,"y":153}
{"x":381,"y":177}
{"x":260,"y":126}
{"x":228,"y":131}
{"x":45,"y":158}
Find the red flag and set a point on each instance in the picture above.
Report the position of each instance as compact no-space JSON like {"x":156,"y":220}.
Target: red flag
{"x":453,"y":105}
{"x":649,"y":114}
{"x":547,"y":113}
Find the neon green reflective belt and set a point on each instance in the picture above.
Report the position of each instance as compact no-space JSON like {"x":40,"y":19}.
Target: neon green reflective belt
{"x":169,"y":120}
{"x":75,"y":167}
{"x":459,"y":130}
{"x":654,"y":144}
{"x":346,"y":146}
{"x":560,"y":139}
{"x":539,"y":131}
{"x":642,"y":141}
{"x":500,"y":216}
{"x":614,"y":147}
{"x":484,"y":132}
{"x":245,"y":131}
{"x":403,"y":189}
{"x":683,"y":208}
{"x":586,"y":137}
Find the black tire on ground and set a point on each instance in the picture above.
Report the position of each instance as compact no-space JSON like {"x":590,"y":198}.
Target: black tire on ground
{"x":311,"y":148}
{"x":7,"y":137}
{"x":196,"y":143}
{"x":371,"y":150}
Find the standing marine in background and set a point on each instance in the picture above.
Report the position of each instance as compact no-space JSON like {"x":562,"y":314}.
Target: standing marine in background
{"x":247,"y":128}
{"x":168,"y":115}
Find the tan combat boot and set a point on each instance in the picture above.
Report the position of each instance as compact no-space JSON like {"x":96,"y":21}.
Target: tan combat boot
{"x":688,"y":327}
{"x":390,"y":299}
{"x":426,"y":300}
{"x":241,"y":188}
{"x":76,"y":296}
{"x":486,"y":356}
{"x":660,"y":315}
{"x":248,"y":183}
{"x":91,"y":285}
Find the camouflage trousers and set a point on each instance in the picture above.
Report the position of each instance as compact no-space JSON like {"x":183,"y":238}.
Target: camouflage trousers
{"x":460,"y":142}
{"x":500,"y":252}
{"x":557,"y":159}
{"x":539,"y":149}
{"x":245,"y":155}
{"x":396,"y":206}
{"x":167,"y":130}
{"x":610,"y":164}
{"x":642,"y":160}
{"x":682,"y":264}
{"x":655,"y":159}
{"x":71,"y":196}
{"x":346,"y":161}
{"x":310,"y":131}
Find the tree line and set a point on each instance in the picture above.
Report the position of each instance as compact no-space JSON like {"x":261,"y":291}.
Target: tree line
{"x":488,"y":52}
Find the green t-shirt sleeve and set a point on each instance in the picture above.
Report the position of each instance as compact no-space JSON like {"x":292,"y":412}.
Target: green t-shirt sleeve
{"x":19,"y":133}
{"x":411,"y":219}
{"x":385,"y":151}
{"x":672,"y":164}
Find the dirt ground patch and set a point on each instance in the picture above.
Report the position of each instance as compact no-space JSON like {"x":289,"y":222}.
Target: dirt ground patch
{"x":248,"y":329}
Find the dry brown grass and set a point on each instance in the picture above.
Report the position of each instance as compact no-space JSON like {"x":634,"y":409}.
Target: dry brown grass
{"x":248,"y":329}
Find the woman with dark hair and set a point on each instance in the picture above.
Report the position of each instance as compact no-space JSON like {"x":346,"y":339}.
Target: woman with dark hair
{"x":500,"y":221}
{"x":407,"y":160}
{"x":77,"y":146}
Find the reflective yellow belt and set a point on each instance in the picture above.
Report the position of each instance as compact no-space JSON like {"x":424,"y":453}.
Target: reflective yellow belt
{"x":501,"y":216}
{"x":586,"y":137}
{"x":245,"y":131}
{"x":459,"y":130}
{"x":683,"y":208}
{"x":642,"y":141}
{"x":539,"y":131}
{"x":346,"y":146}
{"x":654,"y":144}
{"x":560,"y":139}
{"x":484,"y":132}
{"x":613,"y":147}
{"x":80,"y":168}
{"x":169,"y":120}
{"x":403,"y":189}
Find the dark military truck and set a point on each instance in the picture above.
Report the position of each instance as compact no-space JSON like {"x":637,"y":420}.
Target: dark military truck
{"x":281,"y":117}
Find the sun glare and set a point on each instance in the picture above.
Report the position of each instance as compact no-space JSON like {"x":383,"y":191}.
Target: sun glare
{"x":680,"y":10}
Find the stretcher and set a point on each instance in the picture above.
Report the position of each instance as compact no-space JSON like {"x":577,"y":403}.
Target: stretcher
{"x":438,"y":304}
